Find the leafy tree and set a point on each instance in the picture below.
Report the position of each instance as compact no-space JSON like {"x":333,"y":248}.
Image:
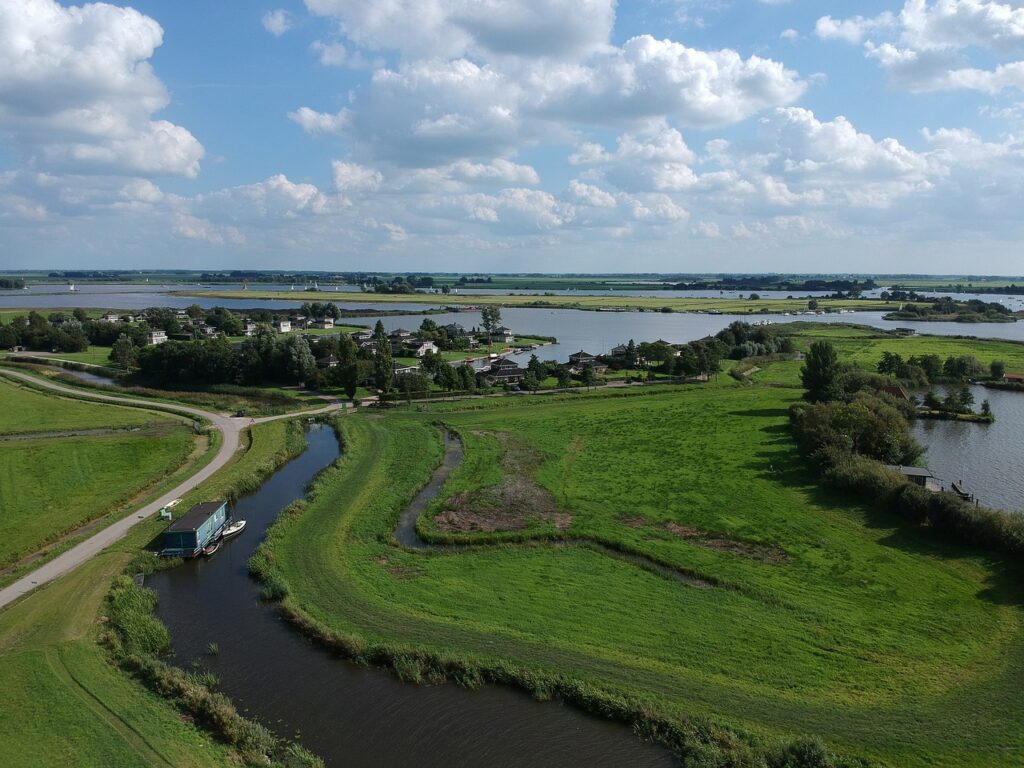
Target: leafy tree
{"x":588,"y":377}
{"x":467,"y":378}
{"x":531,"y":382}
{"x":986,"y":408}
{"x":820,"y":373}
{"x":932,"y":401}
{"x":812,"y":304}
{"x":491,"y":318}
{"x":445,"y":376}
{"x":564,"y":377}
{"x":891,"y":363}
{"x":997,"y":369}
{"x":123,"y":353}
{"x":299,"y":360}
{"x":383,"y":366}
{"x":536,"y":367}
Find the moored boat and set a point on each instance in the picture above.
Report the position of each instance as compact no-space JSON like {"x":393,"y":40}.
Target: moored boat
{"x":211,"y":549}
{"x":233,"y":529}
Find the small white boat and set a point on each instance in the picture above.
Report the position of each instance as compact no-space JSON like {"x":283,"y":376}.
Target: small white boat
{"x":233,"y":529}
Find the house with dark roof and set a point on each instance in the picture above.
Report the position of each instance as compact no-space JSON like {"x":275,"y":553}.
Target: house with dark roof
{"x":327,"y":362}
{"x":501,"y":371}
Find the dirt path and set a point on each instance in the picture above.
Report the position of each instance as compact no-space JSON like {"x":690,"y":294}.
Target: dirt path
{"x":230,"y":429}
{"x":407,"y":536}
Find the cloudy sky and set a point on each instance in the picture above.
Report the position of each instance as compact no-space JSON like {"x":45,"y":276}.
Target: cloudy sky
{"x":514,"y":135}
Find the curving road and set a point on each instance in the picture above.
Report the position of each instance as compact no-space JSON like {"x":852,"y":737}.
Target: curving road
{"x":230,"y":429}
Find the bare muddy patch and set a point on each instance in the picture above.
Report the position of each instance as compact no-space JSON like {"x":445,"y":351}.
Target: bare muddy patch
{"x":766,"y":553}
{"x":516,"y":503}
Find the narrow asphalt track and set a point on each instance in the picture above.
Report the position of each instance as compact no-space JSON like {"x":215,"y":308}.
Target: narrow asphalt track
{"x":230,"y":429}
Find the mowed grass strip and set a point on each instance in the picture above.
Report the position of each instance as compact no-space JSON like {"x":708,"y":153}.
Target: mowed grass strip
{"x":51,"y":486}
{"x":24,"y":410}
{"x":882,"y":641}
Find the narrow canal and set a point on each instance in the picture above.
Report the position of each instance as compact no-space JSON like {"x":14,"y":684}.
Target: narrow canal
{"x":349,"y":715}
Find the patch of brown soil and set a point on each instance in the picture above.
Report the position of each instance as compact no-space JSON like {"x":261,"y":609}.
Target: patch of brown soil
{"x":404,"y":572}
{"x":766,"y":553}
{"x":512,"y":505}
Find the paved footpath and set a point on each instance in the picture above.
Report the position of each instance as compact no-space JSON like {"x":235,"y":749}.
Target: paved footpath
{"x":230,"y":429}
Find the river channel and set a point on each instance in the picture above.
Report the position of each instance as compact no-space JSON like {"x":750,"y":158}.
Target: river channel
{"x":354,"y":716}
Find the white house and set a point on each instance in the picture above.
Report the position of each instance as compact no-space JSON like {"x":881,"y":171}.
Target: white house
{"x":249,"y":329}
{"x":323,"y":322}
{"x":157,"y":337}
{"x":283,"y":326}
{"x":422,"y":347}
{"x":110,"y":317}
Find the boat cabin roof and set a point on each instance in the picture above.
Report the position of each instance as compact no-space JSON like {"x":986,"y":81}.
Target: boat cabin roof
{"x":196,"y":516}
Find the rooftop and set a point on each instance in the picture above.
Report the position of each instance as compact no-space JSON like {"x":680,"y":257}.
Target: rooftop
{"x":196,"y":516}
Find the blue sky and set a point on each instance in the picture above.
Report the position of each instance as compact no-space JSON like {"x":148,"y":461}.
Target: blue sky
{"x":513,"y":135}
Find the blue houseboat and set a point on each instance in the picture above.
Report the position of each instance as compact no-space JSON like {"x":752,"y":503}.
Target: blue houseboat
{"x":187,"y":535}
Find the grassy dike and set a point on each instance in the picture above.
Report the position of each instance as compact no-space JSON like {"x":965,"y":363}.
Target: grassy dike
{"x":843,"y":622}
{"x":65,"y":702}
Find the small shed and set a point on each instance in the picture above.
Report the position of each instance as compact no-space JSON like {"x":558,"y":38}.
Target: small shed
{"x":921,"y":476}
{"x":187,"y":535}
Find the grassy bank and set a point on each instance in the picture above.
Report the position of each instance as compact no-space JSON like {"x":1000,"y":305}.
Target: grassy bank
{"x":842,"y":622}
{"x":64,"y":702}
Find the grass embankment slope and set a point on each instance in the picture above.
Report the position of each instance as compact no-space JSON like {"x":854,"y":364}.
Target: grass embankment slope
{"x":829,"y":619}
{"x":50,"y":485}
{"x":615,"y":301}
{"x":64,"y":703}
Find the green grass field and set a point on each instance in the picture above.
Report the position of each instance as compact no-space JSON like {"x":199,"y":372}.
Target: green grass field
{"x":614,"y":301}
{"x":828,"y":619}
{"x":63,"y":703}
{"x":28,"y":410}
{"x":51,"y":486}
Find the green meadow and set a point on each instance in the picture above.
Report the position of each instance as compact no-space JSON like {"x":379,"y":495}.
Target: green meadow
{"x":804,"y":613}
{"x":51,"y":486}
{"x":27,"y":410}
